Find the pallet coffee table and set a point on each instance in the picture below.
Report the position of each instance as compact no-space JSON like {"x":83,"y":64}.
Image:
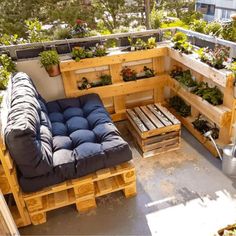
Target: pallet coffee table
{"x":154,"y":129}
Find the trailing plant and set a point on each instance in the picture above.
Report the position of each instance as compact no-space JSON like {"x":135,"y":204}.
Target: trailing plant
{"x":180,"y":106}
{"x":203,"y":126}
{"x":49,"y":58}
{"x":211,"y":94}
{"x":215,"y":58}
{"x":184,"y":77}
{"x":4,"y":77}
{"x":7,"y":63}
{"x":181,"y":43}
{"x":128,"y":74}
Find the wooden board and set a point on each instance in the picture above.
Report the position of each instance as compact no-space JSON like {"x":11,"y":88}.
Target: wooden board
{"x":82,"y":191}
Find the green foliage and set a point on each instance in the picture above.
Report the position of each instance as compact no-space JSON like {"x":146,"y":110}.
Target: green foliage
{"x":34,"y":31}
{"x":49,"y":58}
{"x":156,"y":17}
{"x":214,"y":58}
{"x":213,"y":95}
{"x":62,"y":33}
{"x":7,"y":63}
{"x":189,"y":16}
{"x":198,"y":25}
{"x":151,"y":43}
{"x":4,"y":77}
{"x":213,"y":28}
{"x":184,"y":77}
{"x":6,"y":39}
{"x":229,"y":31}
{"x":148,"y":72}
{"x":176,"y":23}
{"x":180,"y":43}
{"x":105,"y":79}
{"x":180,"y":106}
{"x":78,"y":53}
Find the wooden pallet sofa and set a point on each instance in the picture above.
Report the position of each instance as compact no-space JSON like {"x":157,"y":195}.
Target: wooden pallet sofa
{"x":66,"y":151}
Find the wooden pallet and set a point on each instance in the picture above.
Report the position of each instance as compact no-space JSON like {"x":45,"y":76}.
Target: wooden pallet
{"x":154,"y":128}
{"x":82,"y":191}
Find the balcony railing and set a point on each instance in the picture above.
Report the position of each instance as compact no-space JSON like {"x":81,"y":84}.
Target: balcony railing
{"x":196,"y":38}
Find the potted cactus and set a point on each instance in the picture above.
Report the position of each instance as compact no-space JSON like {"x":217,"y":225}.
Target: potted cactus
{"x":50,"y":61}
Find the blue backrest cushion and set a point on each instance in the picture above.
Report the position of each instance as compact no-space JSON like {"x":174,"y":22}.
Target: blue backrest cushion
{"x":28,"y":133}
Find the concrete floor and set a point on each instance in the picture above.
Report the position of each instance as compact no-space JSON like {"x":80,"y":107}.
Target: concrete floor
{"x":179,"y":193}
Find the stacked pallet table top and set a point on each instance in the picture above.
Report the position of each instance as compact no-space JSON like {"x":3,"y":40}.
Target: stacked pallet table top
{"x":154,"y":128}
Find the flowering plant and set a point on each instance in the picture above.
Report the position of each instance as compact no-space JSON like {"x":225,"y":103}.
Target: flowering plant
{"x":128,"y":74}
{"x":80,"y":29}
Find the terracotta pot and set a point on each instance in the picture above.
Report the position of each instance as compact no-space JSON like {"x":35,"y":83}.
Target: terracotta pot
{"x":53,"y":70}
{"x":233,"y":17}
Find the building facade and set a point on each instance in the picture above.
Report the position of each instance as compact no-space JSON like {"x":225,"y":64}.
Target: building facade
{"x":216,"y":9}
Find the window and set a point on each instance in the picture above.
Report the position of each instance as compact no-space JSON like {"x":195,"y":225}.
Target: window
{"x":206,"y":9}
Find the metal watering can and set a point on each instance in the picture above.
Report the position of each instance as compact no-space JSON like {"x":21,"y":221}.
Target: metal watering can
{"x":227,"y":155}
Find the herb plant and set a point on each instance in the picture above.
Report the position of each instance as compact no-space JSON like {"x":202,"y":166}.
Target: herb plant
{"x":180,"y":106}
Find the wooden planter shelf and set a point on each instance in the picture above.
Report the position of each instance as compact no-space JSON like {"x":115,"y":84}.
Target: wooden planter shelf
{"x":220,"y":114}
{"x":222,"y":77}
{"x":187,"y":122}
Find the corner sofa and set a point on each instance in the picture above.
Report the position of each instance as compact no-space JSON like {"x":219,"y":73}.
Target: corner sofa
{"x":51,"y":142}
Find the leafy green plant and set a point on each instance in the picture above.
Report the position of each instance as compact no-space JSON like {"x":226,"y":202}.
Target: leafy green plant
{"x":151,"y":43}
{"x":181,"y":43}
{"x":7,"y":40}
{"x":105,"y":79}
{"x":128,"y":74}
{"x":215,"y":58}
{"x":35,"y":31}
{"x":148,"y":72}
{"x":184,"y":77}
{"x":62,"y":33}
{"x":198,"y":25}
{"x":78,"y":53}
{"x":156,"y":17}
{"x":229,"y":31}
{"x":4,"y":77}
{"x":7,"y":63}
{"x":49,"y":58}
{"x":180,"y":106}
{"x":213,"y":28}
{"x":211,"y":94}
{"x":140,"y":44}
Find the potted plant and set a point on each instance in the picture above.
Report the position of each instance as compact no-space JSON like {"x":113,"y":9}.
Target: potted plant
{"x":146,"y":73}
{"x":4,"y":77}
{"x":128,"y":74}
{"x":50,"y":61}
{"x":180,"y":43}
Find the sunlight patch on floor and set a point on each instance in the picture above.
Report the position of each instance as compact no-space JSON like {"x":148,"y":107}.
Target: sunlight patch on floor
{"x":198,"y":217}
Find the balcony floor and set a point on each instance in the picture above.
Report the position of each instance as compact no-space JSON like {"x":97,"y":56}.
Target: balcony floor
{"x":179,"y":193}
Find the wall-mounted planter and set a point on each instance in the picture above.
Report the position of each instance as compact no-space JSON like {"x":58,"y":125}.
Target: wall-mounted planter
{"x":29,"y":53}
